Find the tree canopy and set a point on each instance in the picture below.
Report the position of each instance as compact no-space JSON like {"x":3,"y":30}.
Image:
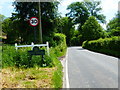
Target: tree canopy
{"x":92,"y":30}
{"x":113,"y":27}
{"x":95,"y":9}
{"x":24,"y":11}
{"x":114,"y":23}
{"x":80,"y":11}
{"x":2,"y":17}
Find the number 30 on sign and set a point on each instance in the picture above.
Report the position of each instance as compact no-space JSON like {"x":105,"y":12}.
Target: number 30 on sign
{"x":33,"y":21}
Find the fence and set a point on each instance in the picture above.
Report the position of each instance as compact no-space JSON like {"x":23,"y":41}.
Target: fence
{"x":33,"y":45}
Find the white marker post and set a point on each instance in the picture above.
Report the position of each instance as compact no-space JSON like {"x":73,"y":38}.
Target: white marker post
{"x":48,"y":48}
{"x":32,"y":45}
{"x":16,"y":46}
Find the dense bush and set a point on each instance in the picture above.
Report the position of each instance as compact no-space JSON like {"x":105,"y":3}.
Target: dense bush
{"x":109,"y":46}
{"x":20,"y":58}
{"x":92,"y":30}
{"x":114,"y":32}
{"x":58,"y":49}
{"x":76,"y":40}
{"x":59,"y":46}
{"x":8,"y":54}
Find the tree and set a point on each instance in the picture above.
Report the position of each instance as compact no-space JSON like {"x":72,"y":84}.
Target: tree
{"x":24,"y":11}
{"x":65,"y":26}
{"x":113,"y":27}
{"x":80,"y":11}
{"x":115,"y":32}
{"x":94,"y":9}
{"x":9,"y":28}
{"x":114,"y":23}
{"x":92,"y":30}
{"x":76,"y":40}
{"x":2,"y":17}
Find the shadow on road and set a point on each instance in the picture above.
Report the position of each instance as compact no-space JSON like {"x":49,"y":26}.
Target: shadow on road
{"x":80,"y":49}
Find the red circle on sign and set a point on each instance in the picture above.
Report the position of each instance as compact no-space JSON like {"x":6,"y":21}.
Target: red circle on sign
{"x":33,"y":21}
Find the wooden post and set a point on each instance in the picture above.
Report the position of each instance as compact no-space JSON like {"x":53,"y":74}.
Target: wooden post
{"x":40,"y":23}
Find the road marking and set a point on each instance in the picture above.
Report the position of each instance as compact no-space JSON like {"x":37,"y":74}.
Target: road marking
{"x":67,"y":80}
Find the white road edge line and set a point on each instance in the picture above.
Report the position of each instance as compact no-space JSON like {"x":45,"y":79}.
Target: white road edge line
{"x":67,"y":80}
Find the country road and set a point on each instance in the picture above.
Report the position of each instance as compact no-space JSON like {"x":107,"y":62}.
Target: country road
{"x":87,"y":69}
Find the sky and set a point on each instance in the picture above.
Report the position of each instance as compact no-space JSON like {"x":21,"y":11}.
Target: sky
{"x":110,"y":8}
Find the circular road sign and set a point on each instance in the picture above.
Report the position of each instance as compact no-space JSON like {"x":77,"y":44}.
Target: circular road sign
{"x":34,"y":21}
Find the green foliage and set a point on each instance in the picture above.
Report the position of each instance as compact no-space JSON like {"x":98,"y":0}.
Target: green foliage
{"x":2,"y":17}
{"x":113,"y":27}
{"x":109,"y":46}
{"x":92,"y":30}
{"x":24,"y":11}
{"x":114,"y":32}
{"x":58,"y":50}
{"x":9,"y":28}
{"x":58,"y":75}
{"x":8,"y":54}
{"x":20,"y":58}
{"x":65,"y":25}
{"x":80,"y":11}
{"x":76,"y":40}
{"x":114,"y":23}
{"x":59,"y":44}
{"x":94,"y":9}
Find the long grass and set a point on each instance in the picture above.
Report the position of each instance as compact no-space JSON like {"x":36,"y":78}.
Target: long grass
{"x":34,"y":77}
{"x":21,"y":72}
{"x":27,"y":78}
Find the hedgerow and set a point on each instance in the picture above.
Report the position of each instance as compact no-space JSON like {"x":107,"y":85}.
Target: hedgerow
{"x":110,"y":46}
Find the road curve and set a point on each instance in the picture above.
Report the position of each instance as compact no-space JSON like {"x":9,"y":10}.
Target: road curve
{"x":87,"y":69}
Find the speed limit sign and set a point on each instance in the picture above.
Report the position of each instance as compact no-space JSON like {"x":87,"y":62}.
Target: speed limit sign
{"x":34,"y":21}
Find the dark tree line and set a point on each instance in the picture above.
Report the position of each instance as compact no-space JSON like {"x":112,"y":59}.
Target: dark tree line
{"x":86,"y":14}
{"x":20,"y":21}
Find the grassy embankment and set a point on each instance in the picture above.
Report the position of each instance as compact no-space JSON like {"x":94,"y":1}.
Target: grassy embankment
{"x":16,"y":72}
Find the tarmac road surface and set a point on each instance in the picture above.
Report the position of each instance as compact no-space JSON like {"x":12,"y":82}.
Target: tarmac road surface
{"x":87,"y":69}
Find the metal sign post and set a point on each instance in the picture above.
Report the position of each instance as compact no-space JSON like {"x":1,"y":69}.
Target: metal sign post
{"x":34,"y":22}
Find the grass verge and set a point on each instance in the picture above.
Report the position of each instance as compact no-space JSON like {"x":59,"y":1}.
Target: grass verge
{"x":36,"y":77}
{"x":21,"y":72}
